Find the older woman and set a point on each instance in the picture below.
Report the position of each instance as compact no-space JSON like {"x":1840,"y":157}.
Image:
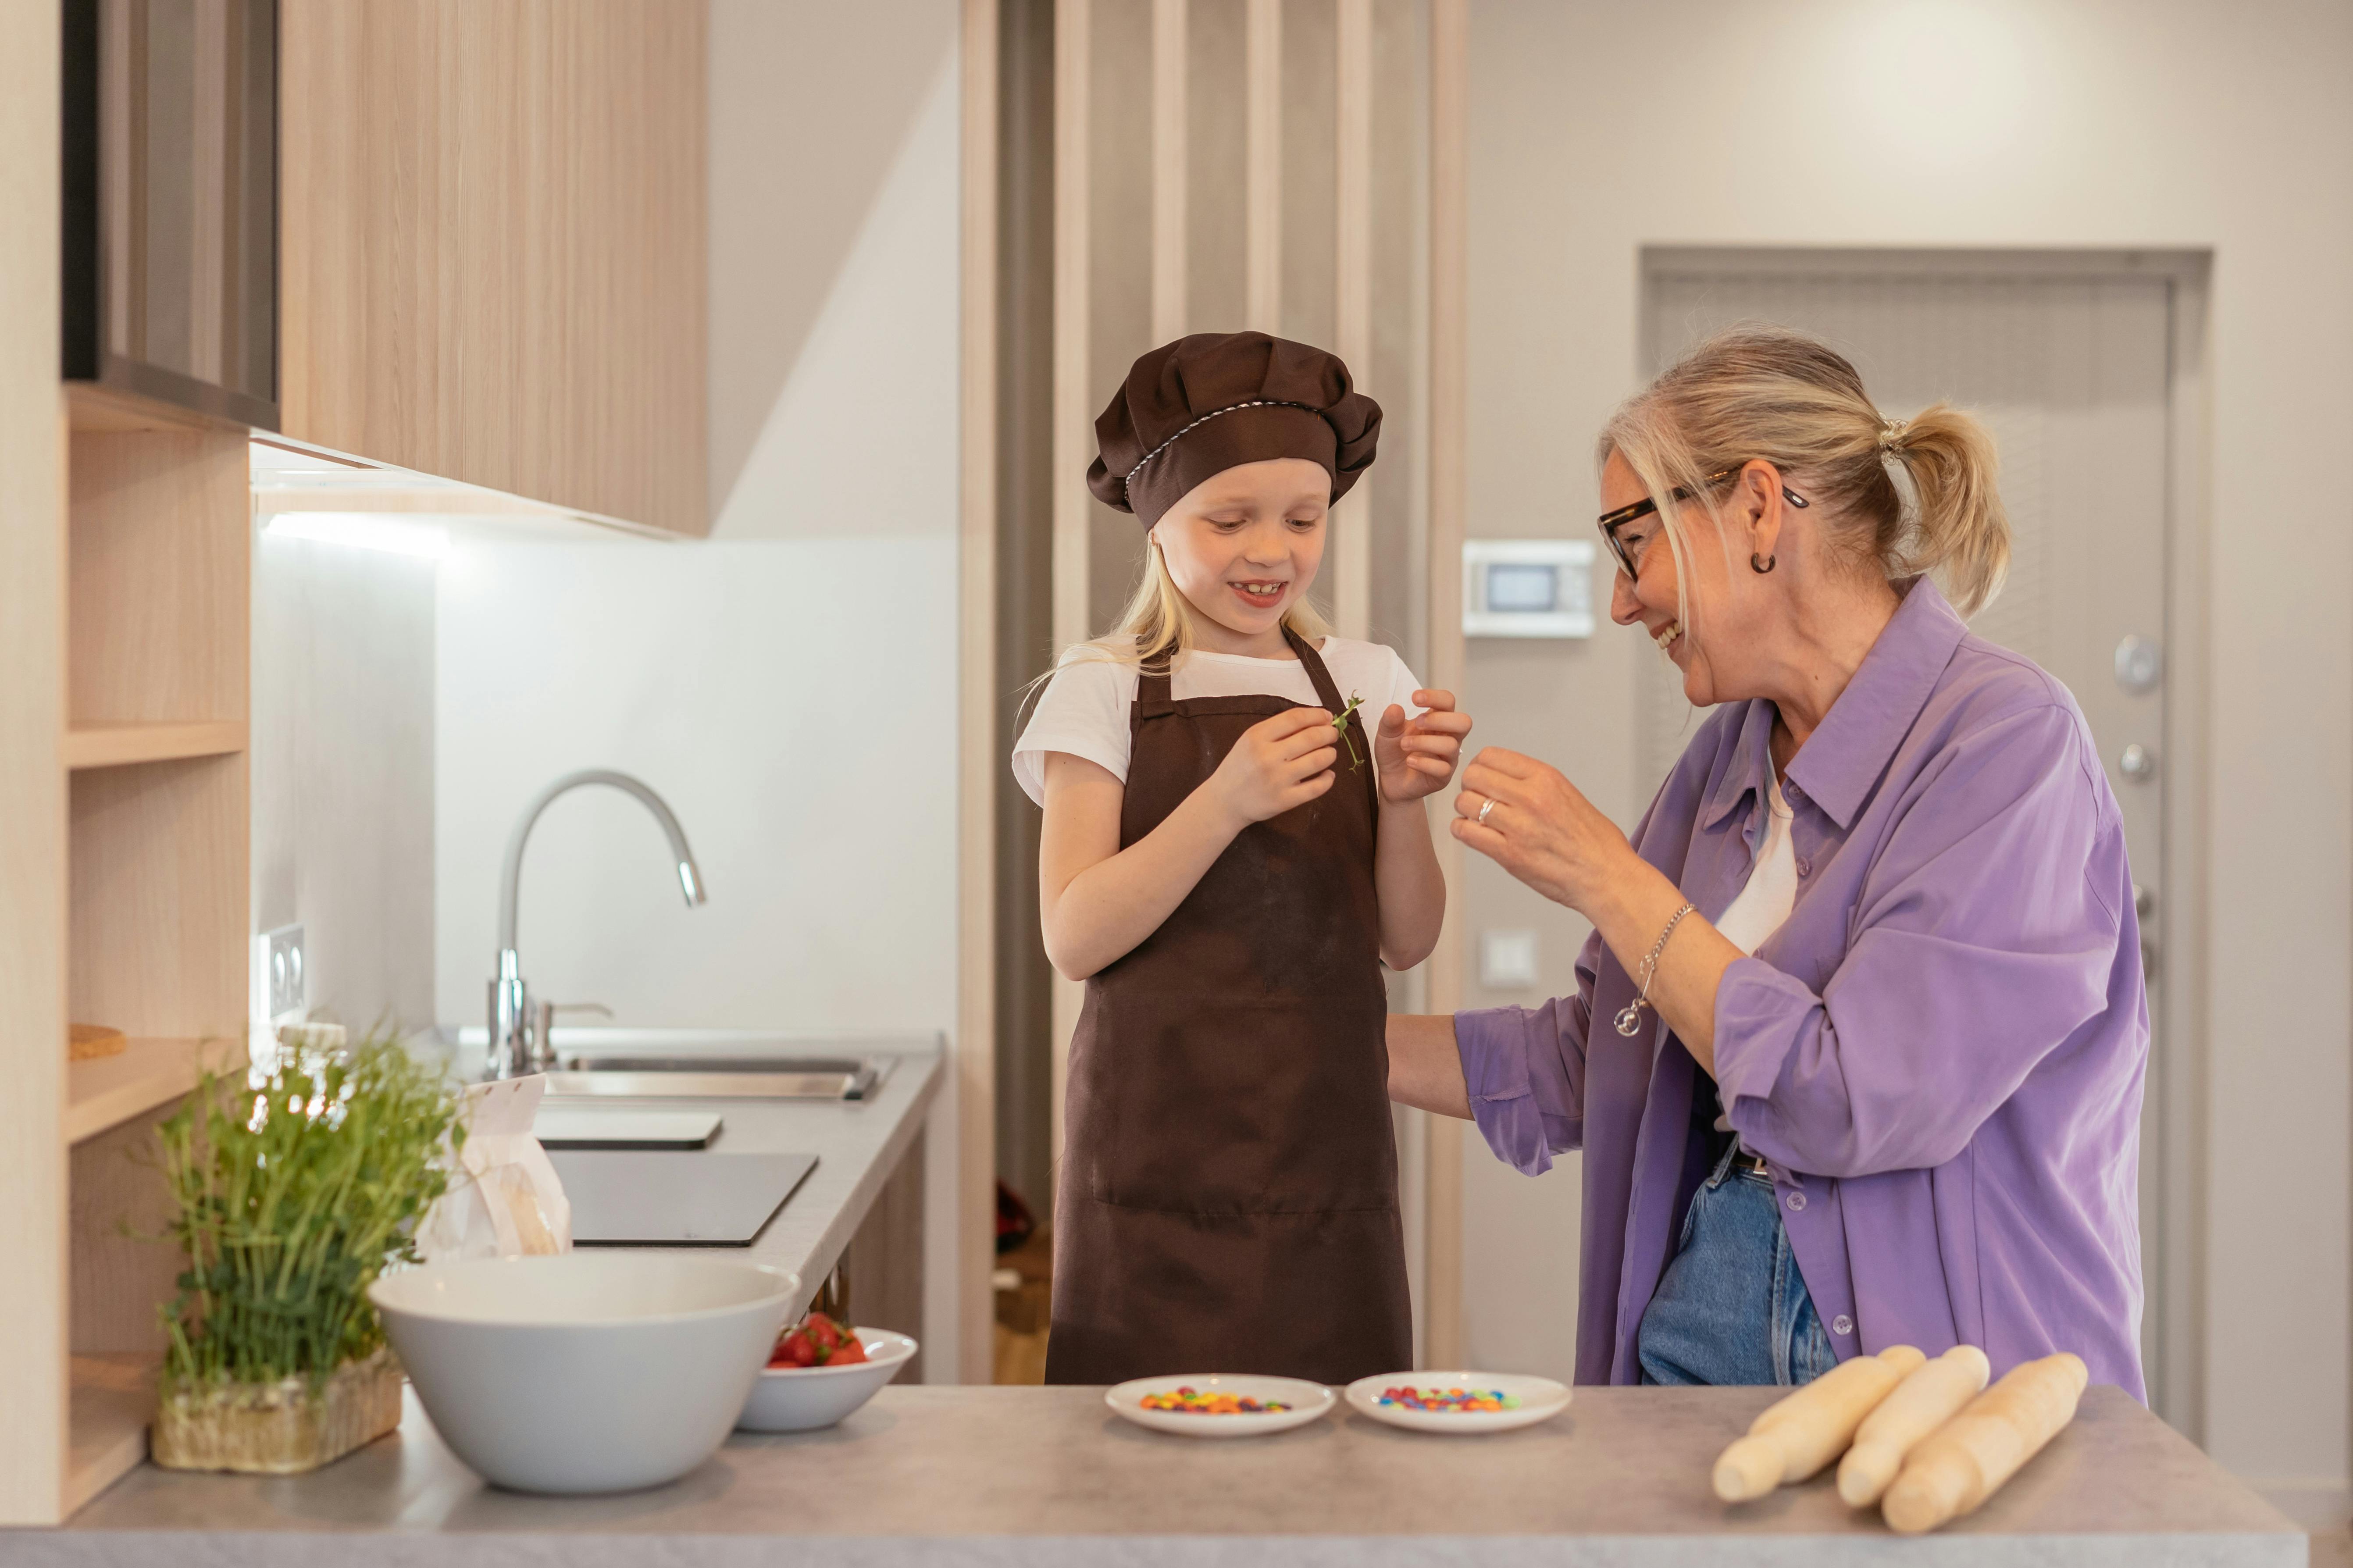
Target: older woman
{"x":1856,"y":1052}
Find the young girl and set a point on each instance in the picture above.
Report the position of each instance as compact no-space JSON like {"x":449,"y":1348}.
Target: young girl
{"x":1229,"y":857}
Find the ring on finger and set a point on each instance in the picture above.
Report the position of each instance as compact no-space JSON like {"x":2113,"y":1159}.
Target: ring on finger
{"x":1484,"y":810}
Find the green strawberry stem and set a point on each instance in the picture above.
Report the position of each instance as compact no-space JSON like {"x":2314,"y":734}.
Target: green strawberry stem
{"x":1340,"y":723}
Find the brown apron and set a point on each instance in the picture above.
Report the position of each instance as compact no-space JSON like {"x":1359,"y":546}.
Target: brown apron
{"x":1228,"y":1199}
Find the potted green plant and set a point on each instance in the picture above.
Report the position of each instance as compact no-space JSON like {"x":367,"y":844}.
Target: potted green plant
{"x":291,"y":1195}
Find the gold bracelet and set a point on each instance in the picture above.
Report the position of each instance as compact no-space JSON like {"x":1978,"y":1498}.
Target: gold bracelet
{"x":1631,"y":1019}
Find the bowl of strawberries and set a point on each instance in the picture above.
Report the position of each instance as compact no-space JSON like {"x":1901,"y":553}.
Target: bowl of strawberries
{"x":819,"y":1371}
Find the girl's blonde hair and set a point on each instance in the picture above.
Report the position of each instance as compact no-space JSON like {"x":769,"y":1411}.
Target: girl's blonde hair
{"x":1156,"y":629}
{"x":1771,"y":392}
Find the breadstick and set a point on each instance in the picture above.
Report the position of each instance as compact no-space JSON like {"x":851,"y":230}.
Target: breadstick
{"x":1963,"y":1462}
{"x":1799,"y":1435}
{"x":1921,"y":1403}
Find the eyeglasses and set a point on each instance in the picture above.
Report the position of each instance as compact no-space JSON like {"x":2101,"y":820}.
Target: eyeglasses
{"x":1630,"y":556}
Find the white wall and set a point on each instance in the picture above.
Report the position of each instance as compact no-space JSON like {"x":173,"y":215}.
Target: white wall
{"x":342,"y":772}
{"x":757,"y":696}
{"x":1597,"y":128}
{"x":787,"y":685}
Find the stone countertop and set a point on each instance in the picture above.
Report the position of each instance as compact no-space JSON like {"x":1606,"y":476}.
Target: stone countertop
{"x":1046,"y":1476}
{"x":858,"y":1144}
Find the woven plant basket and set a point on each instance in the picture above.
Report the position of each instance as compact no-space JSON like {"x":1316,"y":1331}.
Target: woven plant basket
{"x":279,"y":1428}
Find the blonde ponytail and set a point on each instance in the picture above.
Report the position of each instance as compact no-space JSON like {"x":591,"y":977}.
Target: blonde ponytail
{"x":1771,"y":392}
{"x":1960,"y":528}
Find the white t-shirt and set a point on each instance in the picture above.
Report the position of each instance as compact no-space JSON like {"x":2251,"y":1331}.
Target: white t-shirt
{"x":1084,"y":708}
{"x":1771,"y":891}
{"x":1772,"y":886}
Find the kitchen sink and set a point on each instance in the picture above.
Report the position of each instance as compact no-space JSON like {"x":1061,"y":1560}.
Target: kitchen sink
{"x":599,"y":1062}
{"x":709,"y":1078}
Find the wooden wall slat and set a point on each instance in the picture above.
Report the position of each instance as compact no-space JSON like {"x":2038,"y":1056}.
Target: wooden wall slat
{"x":1351,"y":545}
{"x":1450,"y":40}
{"x":1073,"y":418}
{"x":979,"y":770}
{"x":1263,"y":162}
{"x":1170,"y":170}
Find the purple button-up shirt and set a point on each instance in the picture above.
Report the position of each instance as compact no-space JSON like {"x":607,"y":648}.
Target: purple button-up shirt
{"x":1939,"y":1053}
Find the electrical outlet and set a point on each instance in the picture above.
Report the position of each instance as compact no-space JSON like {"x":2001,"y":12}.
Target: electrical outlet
{"x":284,"y":969}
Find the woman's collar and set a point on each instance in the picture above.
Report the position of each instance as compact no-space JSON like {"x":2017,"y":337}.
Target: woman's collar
{"x":1847,"y":752}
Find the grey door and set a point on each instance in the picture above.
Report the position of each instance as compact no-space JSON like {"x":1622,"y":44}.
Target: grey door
{"x":2073,"y":371}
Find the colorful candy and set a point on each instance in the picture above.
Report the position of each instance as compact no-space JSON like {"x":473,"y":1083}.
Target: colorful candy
{"x":1450,"y":1400}
{"x":1187,"y":1400}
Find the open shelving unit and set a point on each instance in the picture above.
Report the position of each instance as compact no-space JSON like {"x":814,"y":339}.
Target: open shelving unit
{"x":157,"y":661}
{"x":117,"y":744}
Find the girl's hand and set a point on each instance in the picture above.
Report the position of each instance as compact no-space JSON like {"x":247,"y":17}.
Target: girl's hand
{"x":1416,"y":757}
{"x":1277,"y":763}
{"x":1542,"y":830}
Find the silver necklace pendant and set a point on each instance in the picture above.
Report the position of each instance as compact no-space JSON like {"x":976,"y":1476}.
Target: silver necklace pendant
{"x":1629,"y":1019}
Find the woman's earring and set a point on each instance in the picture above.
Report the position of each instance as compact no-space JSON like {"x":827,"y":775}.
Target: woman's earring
{"x":1760,"y":565}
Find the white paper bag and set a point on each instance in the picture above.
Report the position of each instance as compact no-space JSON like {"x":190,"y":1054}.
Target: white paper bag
{"x":504,"y":1198}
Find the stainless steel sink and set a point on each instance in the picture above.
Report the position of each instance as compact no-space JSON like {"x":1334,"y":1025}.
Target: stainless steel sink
{"x":714,"y":1078}
{"x":596,"y":1062}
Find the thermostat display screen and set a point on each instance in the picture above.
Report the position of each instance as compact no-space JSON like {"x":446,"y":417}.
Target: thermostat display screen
{"x":1520,"y":585}
{"x":1527,"y":587}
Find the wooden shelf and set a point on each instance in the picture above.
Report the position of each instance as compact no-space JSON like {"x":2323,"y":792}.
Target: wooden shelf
{"x":114,"y":744}
{"x":113,"y":1400}
{"x":108,"y":1091}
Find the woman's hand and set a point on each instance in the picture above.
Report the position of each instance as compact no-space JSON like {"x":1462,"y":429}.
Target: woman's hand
{"x":1277,"y":763}
{"x":1414,"y":758}
{"x":1541,"y":829}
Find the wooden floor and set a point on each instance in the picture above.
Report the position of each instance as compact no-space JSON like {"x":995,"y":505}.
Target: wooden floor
{"x":1021,"y":1310}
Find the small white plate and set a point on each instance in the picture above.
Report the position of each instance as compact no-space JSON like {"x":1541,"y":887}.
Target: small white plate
{"x":1540,"y":1399}
{"x":801,"y":1398}
{"x":1308,"y":1402}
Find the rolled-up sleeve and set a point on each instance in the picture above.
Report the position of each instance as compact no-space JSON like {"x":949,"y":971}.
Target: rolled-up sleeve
{"x":1981,"y":945}
{"x":1524,"y":1067}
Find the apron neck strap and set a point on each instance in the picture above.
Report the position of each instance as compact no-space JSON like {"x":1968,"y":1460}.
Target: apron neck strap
{"x":1325,"y":692}
{"x":1152,"y":692}
{"x":1152,"y":689}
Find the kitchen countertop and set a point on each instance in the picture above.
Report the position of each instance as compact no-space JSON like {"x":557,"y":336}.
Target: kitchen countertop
{"x":858,"y":1144}
{"x":1046,"y":1476}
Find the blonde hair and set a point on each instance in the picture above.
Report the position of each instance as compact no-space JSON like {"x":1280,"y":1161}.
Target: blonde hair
{"x":1771,"y":393}
{"x":1156,"y":629}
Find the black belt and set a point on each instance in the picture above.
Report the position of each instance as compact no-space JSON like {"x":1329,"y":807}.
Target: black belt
{"x":1745,"y":1159}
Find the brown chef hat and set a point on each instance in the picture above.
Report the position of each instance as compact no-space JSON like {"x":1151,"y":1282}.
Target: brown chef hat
{"x":1216,"y":400}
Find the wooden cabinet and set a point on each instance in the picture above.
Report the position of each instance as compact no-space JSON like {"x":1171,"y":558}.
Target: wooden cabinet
{"x":492,"y":244}
{"x":127,"y":877}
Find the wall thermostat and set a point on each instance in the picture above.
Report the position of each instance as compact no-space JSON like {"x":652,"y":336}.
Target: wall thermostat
{"x":1527,"y":588}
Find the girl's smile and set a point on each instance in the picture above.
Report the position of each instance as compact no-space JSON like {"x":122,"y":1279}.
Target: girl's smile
{"x":1262,"y":593}
{"x":1242,"y":547}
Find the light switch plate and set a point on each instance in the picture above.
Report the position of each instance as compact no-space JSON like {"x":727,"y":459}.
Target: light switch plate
{"x":1507,"y":960}
{"x":284,"y":967}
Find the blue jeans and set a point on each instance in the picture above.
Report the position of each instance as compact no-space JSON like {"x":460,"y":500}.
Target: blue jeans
{"x":1731,"y":1307}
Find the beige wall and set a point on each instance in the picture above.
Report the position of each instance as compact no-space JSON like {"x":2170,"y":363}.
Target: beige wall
{"x":833,"y":259}
{"x":1597,"y":128}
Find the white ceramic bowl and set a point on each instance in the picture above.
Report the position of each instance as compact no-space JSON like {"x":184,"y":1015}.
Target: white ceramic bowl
{"x":1540,"y":1399}
{"x":803,"y":1398}
{"x":1308,"y":1402}
{"x":586,"y":1371}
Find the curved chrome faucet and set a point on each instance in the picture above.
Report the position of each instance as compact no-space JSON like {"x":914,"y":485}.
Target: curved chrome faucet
{"x":515,"y":1045}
